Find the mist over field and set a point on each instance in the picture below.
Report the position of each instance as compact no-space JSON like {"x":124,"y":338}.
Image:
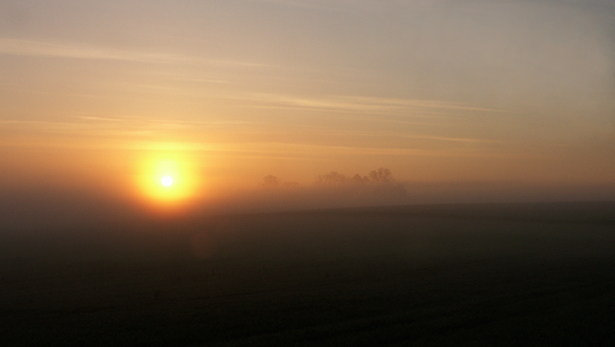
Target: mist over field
{"x":44,"y":207}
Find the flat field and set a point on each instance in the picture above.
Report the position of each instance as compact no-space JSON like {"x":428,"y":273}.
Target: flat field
{"x":440,"y":275}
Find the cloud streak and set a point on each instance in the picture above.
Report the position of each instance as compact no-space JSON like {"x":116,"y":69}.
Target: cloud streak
{"x":22,"y":47}
{"x":365,"y":5}
{"x":38,"y":48}
{"x":357,"y":103}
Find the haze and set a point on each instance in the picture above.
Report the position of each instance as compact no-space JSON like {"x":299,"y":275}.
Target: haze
{"x":463,"y":101}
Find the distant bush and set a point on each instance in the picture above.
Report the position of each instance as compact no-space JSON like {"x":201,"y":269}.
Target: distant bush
{"x":380,"y":175}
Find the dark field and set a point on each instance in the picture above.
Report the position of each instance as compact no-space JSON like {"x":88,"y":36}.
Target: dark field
{"x":458,"y":275}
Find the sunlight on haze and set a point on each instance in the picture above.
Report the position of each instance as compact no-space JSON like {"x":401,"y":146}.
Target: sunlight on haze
{"x":167,"y":179}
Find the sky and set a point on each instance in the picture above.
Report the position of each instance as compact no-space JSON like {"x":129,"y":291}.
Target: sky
{"x":96,"y":97}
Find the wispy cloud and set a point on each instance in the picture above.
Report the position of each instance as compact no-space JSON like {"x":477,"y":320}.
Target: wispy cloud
{"x":112,"y":126}
{"x":356,"y":103}
{"x":412,"y":136}
{"x":13,"y":46}
{"x":356,"y":4}
{"x":304,"y":151}
{"x":41,"y":48}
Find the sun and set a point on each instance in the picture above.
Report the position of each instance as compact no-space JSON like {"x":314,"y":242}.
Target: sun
{"x":167,"y":179}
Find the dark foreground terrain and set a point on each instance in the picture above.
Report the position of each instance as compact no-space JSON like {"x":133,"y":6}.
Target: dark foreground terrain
{"x":479,"y":275}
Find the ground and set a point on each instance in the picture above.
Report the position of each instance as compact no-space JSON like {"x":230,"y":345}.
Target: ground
{"x":458,"y":275}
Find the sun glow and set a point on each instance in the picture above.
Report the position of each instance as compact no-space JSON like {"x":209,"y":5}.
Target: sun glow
{"x":168,"y":179}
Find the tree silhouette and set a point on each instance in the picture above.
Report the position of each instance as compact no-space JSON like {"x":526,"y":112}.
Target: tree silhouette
{"x":271,"y":181}
{"x":381,"y":175}
{"x":332,"y":177}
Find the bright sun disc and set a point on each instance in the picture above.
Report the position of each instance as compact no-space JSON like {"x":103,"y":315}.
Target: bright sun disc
{"x":167,"y":181}
{"x":167,"y":178}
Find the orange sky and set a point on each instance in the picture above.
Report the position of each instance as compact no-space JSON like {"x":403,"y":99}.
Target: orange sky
{"x":437,"y":91}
